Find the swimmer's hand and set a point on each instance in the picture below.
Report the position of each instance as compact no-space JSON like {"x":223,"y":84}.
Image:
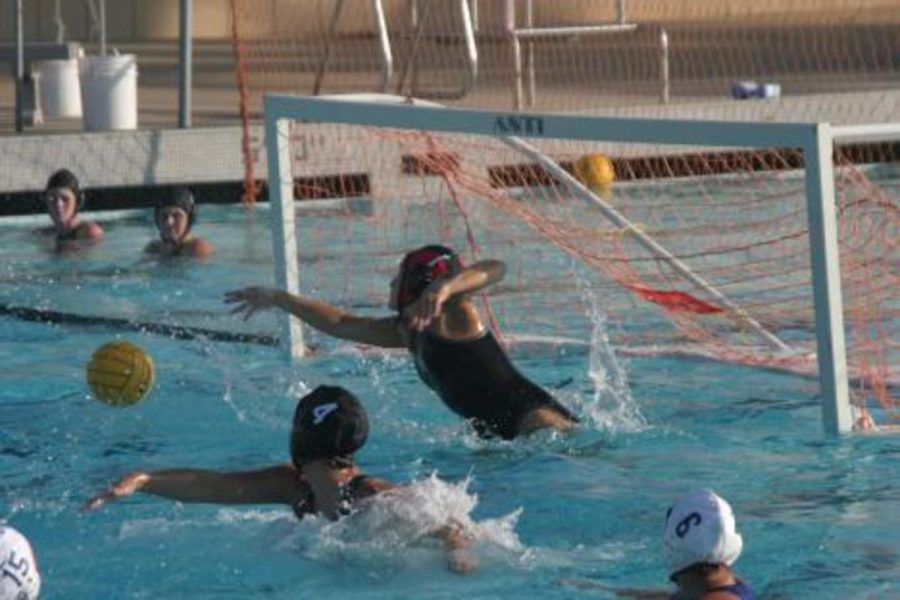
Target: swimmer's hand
{"x":459,"y":558}
{"x":427,"y":307}
{"x":128,"y":485}
{"x":252,"y":299}
{"x":461,"y":561}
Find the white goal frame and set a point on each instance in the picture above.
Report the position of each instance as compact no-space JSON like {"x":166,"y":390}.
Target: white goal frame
{"x":816,"y":140}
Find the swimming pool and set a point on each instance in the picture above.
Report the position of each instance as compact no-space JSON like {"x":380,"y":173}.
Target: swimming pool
{"x":818,"y":515}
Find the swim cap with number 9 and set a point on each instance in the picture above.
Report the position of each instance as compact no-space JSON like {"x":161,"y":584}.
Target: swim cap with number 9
{"x":700,"y":529}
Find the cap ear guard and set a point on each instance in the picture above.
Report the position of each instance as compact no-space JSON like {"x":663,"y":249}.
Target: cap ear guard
{"x":179,"y":197}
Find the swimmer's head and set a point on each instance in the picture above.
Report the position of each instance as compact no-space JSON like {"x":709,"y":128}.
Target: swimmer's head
{"x":21,"y":579}
{"x":175,"y":213}
{"x":418,"y":269}
{"x":63,"y":188}
{"x":700,"y":531}
{"x":329,"y":423}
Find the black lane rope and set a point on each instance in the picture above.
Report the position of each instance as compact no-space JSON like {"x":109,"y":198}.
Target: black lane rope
{"x":173,"y":331}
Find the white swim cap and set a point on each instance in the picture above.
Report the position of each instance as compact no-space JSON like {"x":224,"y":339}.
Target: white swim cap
{"x":19,"y":577}
{"x":699,"y":529}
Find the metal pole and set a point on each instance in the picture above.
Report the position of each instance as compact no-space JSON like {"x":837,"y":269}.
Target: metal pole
{"x":418,"y":20}
{"x":529,"y":56}
{"x":284,"y":232}
{"x":20,"y":69}
{"x":329,"y":42}
{"x":58,"y":21}
{"x":384,"y":42}
{"x":186,"y":63}
{"x":826,"y":271}
{"x":620,"y":11}
{"x":102,"y":27}
{"x":516,"y":50}
{"x":471,"y":45}
{"x":664,"y":65}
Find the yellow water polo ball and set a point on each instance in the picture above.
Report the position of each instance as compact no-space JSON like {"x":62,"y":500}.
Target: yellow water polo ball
{"x":120,"y":373}
{"x":595,"y":170}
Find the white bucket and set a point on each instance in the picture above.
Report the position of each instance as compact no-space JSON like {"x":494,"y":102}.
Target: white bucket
{"x":60,"y":90}
{"x":109,"y":92}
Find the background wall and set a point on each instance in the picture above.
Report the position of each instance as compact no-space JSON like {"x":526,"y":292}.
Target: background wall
{"x":126,"y":20}
{"x":157,"y":20}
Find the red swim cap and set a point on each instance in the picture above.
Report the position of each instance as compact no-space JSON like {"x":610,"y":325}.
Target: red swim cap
{"x":422,"y":266}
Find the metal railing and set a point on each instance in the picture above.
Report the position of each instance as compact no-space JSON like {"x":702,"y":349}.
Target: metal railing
{"x":409,"y":72}
{"x":468,"y":18}
{"x":524,"y":80}
{"x":384,"y":44}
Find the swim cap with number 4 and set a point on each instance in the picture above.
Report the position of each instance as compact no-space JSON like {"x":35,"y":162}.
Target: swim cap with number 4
{"x":700,"y":529}
{"x":329,"y":423}
{"x":19,"y":577}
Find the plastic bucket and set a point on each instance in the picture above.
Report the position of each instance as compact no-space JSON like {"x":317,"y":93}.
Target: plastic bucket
{"x":60,"y":89}
{"x":109,"y":92}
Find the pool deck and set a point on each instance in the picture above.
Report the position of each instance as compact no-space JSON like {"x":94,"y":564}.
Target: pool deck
{"x":159,"y":153}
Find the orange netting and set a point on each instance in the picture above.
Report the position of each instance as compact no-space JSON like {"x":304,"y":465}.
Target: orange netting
{"x":743,"y":233}
{"x":736,"y":218}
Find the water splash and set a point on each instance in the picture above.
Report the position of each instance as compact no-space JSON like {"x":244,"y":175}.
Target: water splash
{"x":613,"y":408}
{"x":397,"y":528}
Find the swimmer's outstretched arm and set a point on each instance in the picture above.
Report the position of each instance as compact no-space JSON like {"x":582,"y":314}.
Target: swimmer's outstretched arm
{"x":272,"y":485}
{"x":324,"y":317}
{"x":471,"y":279}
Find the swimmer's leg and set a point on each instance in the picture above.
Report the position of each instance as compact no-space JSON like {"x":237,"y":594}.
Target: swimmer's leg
{"x":545,"y":417}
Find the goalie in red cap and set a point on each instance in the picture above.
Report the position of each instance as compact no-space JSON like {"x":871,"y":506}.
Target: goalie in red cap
{"x":455,"y":354}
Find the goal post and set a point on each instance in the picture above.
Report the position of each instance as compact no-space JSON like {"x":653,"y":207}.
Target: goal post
{"x":813,"y":141}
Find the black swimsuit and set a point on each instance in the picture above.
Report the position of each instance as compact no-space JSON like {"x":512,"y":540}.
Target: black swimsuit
{"x":353,"y":490}
{"x":740,"y":589}
{"x":68,"y":236}
{"x":476,"y":380}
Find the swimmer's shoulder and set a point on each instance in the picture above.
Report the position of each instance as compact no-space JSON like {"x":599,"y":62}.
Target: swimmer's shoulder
{"x":200,"y":248}
{"x":89,"y":230}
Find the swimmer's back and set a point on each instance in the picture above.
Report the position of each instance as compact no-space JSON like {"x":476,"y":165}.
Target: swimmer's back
{"x":476,"y":379}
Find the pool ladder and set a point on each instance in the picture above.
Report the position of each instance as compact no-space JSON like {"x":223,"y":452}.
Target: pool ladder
{"x":409,"y":72}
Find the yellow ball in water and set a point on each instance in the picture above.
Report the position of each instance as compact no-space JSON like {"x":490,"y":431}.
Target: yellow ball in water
{"x":595,"y":170}
{"x":120,"y":373}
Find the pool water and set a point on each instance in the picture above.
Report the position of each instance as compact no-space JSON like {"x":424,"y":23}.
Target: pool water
{"x":555,"y":516}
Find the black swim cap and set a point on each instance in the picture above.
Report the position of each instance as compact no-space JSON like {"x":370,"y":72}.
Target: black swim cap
{"x":422,"y":266}
{"x":179,"y":197}
{"x":65,"y":178}
{"x":329,"y":423}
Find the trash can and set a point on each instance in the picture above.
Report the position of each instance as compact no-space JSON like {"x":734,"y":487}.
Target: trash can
{"x":109,"y":92}
{"x":60,"y":90}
